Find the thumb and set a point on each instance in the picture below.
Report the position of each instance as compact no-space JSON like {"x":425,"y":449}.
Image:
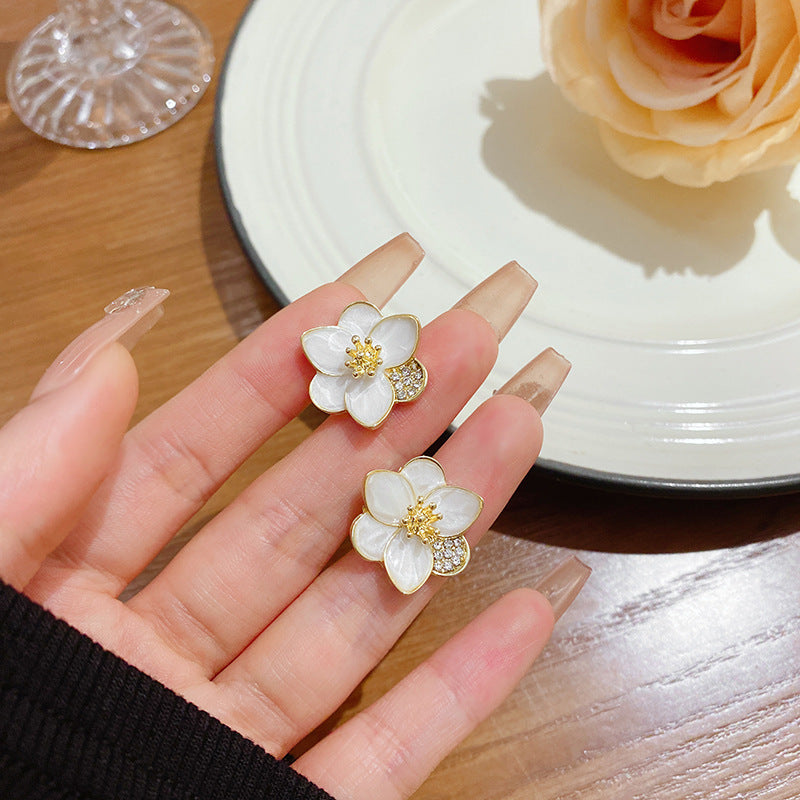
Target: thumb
{"x":55,"y":452}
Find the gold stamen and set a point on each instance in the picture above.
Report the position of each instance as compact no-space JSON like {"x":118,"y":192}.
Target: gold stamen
{"x":364,"y":359}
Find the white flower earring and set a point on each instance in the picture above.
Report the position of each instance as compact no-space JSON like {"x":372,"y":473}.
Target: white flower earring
{"x":414,"y":522}
{"x":365,"y":363}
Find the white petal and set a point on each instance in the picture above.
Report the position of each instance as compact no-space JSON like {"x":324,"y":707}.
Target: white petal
{"x":359,"y":319}
{"x":370,"y":537}
{"x":398,"y":337}
{"x":327,"y":392}
{"x":459,"y":509}
{"x":325,"y":348}
{"x":387,"y":495}
{"x":408,"y":562}
{"x":424,"y":474}
{"x":369,"y":400}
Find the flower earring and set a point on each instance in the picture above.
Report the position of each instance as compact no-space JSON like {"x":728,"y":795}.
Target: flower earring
{"x":365,"y":363}
{"x":414,"y":522}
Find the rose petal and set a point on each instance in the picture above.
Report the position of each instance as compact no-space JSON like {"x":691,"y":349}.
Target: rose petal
{"x":657,"y":120}
{"x":708,"y":124}
{"x":369,"y":400}
{"x":398,"y":337}
{"x":648,"y":159}
{"x":725,"y":23}
{"x":649,"y":88}
{"x":325,"y":349}
{"x":370,"y":537}
{"x":359,"y":319}
{"x":387,"y":495}
{"x":459,"y":509}
{"x":424,"y":474}
{"x":408,"y":561}
{"x":327,"y":392}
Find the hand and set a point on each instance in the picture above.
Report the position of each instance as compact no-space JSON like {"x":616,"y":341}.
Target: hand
{"x":246,"y":621}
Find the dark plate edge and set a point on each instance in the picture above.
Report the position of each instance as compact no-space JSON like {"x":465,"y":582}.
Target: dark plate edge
{"x":595,"y":479}
{"x":670,"y":487}
{"x":230,"y":207}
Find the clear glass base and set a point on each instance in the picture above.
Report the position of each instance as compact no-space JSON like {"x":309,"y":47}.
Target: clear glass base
{"x":120,"y":80}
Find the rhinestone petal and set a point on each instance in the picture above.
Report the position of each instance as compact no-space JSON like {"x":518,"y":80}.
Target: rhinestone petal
{"x":451,"y":557}
{"x":408,"y":379}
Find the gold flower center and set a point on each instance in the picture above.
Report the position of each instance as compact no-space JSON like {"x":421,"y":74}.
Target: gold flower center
{"x":364,"y":357}
{"x":420,"y":521}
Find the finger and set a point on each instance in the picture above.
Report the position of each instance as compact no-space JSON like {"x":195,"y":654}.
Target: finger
{"x":282,"y":682}
{"x":387,"y":751}
{"x":176,"y":458}
{"x":55,"y":452}
{"x":286,"y":526}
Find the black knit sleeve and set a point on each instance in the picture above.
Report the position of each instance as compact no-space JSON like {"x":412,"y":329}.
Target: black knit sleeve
{"x":79,"y":723}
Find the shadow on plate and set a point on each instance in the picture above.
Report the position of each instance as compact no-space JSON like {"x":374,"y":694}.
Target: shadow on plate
{"x":551,"y":157}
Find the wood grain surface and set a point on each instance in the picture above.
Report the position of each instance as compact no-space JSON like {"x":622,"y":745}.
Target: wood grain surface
{"x":674,"y":676}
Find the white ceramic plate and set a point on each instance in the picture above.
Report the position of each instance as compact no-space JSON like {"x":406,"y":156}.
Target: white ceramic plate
{"x":343,"y":122}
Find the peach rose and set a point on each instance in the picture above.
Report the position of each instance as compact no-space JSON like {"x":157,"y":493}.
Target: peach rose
{"x":695,"y":90}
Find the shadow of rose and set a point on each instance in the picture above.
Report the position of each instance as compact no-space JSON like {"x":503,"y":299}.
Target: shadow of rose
{"x":551,"y":157}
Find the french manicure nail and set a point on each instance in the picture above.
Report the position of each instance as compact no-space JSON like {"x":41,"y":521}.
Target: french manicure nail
{"x":126,"y":320}
{"x":380,"y":274}
{"x":561,"y":585}
{"x":501,"y":298}
{"x":540,"y":379}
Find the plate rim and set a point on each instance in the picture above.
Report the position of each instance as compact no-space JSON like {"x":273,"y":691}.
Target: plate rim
{"x":559,"y":470}
{"x":230,"y":207}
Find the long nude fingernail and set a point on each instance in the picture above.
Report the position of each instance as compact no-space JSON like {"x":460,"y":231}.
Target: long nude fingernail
{"x":561,"y":585}
{"x":380,"y":274}
{"x":540,"y":379}
{"x":126,"y":320}
{"x":501,"y":298}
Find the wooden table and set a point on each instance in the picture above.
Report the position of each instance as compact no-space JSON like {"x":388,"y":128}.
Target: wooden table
{"x":674,"y":675}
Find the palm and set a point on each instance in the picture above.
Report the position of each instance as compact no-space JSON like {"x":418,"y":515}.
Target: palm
{"x":244,"y":620}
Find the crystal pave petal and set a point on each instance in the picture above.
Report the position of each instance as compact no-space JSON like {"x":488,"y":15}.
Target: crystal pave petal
{"x":387,"y":495}
{"x":370,"y":537}
{"x":327,"y":392}
{"x":369,"y":400}
{"x":408,"y":561}
{"x":450,"y":556}
{"x":409,"y":380}
{"x":424,"y":474}
{"x":398,"y":337}
{"x":325,"y":349}
{"x":359,"y":319}
{"x":459,"y":509}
